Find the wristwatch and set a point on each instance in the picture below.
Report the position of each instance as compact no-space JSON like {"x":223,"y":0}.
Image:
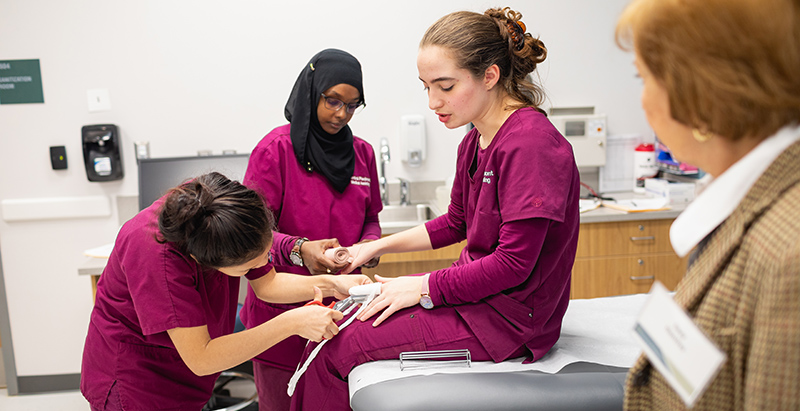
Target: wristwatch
{"x":295,"y":256}
{"x":425,"y":297}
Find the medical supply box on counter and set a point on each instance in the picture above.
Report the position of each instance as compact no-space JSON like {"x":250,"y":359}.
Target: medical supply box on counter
{"x":677,"y":193}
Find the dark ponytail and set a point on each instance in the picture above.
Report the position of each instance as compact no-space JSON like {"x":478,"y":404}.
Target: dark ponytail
{"x":221,"y":223}
{"x":477,"y":41}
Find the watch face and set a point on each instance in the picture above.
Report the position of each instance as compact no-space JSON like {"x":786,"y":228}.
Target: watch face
{"x":296,"y":259}
{"x":426,"y":302}
{"x":295,"y":256}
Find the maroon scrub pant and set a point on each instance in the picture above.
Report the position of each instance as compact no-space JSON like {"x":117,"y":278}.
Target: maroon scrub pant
{"x":324,"y":384}
{"x":271,"y":383}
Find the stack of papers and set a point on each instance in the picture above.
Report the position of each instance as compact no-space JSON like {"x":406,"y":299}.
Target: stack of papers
{"x":589,"y":205}
{"x":638,"y":205}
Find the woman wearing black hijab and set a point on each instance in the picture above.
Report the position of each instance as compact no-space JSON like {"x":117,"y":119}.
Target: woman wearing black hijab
{"x":322,"y":184}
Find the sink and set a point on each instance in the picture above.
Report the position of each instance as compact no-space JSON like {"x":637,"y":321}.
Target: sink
{"x":396,"y":218}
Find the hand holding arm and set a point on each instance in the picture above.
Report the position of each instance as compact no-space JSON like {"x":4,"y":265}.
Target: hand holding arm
{"x":413,"y":239}
{"x":313,"y":253}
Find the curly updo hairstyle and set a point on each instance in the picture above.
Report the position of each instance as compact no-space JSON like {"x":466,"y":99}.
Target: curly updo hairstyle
{"x":219,"y":222}
{"x":477,"y":41}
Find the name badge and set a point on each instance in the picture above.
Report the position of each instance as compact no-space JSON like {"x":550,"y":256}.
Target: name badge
{"x":678,"y":349}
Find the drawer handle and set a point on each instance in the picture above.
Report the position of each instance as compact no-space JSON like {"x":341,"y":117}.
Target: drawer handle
{"x":646,"y":238}
{"x":643,"y":277}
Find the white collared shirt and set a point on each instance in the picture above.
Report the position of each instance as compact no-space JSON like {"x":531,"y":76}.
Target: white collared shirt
{"x":721,"y":197}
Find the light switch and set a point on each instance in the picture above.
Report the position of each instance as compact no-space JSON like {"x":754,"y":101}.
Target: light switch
{"x":98,"y":100}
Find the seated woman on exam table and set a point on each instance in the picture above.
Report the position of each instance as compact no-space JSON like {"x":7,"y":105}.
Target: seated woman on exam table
{"x":515,"y":200}
{"x":161,"y":329}
{"x":722,"y":91}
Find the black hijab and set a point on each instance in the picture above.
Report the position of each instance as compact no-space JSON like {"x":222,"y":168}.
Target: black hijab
{"x":330,"y":154}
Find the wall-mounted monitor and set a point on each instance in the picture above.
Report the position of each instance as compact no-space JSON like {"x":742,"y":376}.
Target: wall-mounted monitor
{"x":158,"y":175}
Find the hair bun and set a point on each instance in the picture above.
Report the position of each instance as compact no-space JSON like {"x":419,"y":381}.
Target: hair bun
{"x":220,"y":222}
{"x":538,"y":47}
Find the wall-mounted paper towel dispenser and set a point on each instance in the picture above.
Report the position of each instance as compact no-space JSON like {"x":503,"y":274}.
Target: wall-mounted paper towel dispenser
{"x":101,"y":155}
{"x":412,"y":139}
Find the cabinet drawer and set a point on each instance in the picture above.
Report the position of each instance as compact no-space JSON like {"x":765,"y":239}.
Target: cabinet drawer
{"x":624,"y":238}
{"x":603,"y":277}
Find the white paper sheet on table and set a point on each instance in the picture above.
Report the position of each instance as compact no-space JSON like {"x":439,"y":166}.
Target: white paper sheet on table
{"x":588,"y":205}
{"x":595,"y":330}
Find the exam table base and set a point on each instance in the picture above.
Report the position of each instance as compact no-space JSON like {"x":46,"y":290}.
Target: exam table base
{"x":579,"y":386}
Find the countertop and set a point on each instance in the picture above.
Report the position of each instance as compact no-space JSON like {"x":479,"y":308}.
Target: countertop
{"x":92,"y":266}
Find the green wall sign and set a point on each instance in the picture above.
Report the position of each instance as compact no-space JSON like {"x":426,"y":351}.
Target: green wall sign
{"x":20,"y":82}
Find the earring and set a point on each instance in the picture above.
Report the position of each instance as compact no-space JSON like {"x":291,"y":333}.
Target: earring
{"x":701,"y":136}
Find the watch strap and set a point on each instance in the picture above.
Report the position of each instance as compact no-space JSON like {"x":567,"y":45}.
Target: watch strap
{"x":294,"y":255}
{"x":425,"y":297}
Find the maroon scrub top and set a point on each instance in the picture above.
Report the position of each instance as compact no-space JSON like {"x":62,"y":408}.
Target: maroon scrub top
{"x":528,"y":171}
{"x":146,"y":289}
{"x":306,"y":205}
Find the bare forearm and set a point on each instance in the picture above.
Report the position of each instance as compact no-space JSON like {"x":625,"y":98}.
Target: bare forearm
{"x":284,"y":288}
{"x":230,"y":350}
{"x":413,"y":239}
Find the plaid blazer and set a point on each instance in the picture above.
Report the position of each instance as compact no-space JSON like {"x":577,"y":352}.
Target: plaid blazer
{"x":743,"y":291}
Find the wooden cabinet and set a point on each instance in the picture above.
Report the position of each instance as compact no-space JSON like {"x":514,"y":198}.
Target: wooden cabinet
{"x":624,"y":258}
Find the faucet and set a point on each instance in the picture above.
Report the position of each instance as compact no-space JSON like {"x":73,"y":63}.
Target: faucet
{"x":404,"y":198}
{"x":385,"y":157}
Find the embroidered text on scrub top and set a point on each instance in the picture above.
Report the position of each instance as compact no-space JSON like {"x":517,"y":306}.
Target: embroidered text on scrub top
{"x":487,"y":177}
{"x":360,"y":181}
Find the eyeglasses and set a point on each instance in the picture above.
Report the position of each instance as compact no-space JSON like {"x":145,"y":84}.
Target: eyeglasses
{"x":335,"y":104}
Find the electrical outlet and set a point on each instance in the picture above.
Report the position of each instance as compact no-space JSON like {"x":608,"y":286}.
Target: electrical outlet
{"x":98,"y":100}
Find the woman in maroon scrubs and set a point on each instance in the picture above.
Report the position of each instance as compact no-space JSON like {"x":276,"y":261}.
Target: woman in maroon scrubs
{"x":514,"y":199}
{"x":160,"y":331}
{"x":321,"y":182}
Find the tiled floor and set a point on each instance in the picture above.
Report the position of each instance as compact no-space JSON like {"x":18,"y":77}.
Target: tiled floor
{"x":62,"y":401}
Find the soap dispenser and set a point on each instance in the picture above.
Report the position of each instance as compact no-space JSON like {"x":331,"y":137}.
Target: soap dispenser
{"x":101,"y":155}
{"x":412,"y":139}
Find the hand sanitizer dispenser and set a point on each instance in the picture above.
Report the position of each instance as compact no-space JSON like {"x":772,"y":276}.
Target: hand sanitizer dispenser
{"x":101,"y":154}
{"x":412,"y":139}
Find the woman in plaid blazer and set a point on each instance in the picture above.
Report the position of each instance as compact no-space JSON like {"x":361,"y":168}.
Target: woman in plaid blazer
{"x":721,"y":88}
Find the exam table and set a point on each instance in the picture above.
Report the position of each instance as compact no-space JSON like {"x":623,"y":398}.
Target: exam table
{"x":585,"y":370}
